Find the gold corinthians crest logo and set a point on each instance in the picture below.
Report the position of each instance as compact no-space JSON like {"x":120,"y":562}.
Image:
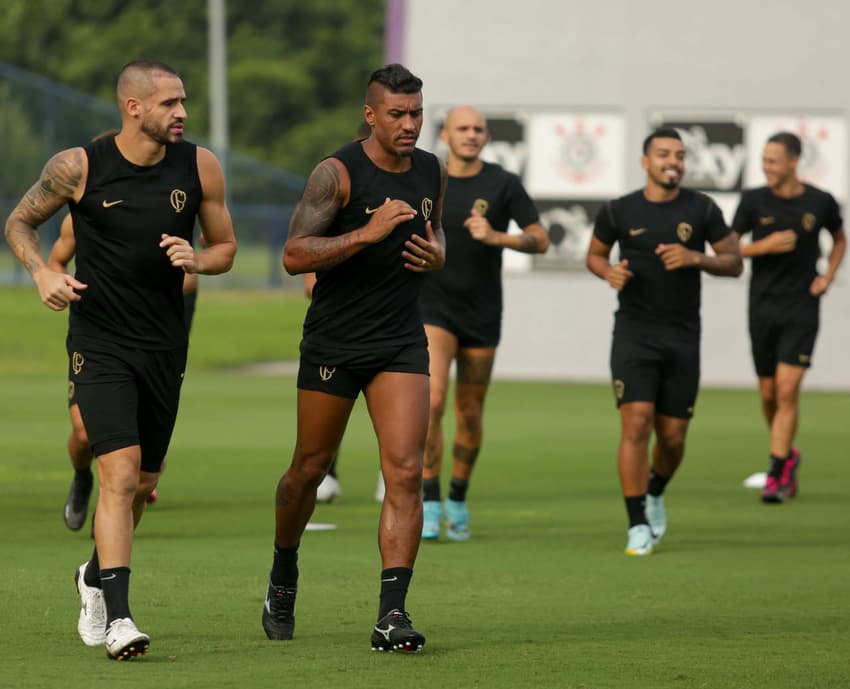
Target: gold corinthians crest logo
{"x":619,"y":389}
{"x":804,"y":358}
{"x":70,"y":389}
{"x":809,"y":221}
{"x":326,"y":372}
{"x":481,"y":206}
{"x":178,"y":200}
{"x":684,"y":232}
{"x":427,"y":207}
{"x":77,"y":361}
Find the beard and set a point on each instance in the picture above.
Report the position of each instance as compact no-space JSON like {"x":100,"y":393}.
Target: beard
{"x":162,"y":135}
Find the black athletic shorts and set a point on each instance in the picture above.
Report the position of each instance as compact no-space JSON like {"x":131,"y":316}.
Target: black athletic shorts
{"x":126,"y":396}
{"x":189,"y":301}
{"x":350,"y":379}
{"x":785,"y":336}
{"x":468,"y":333}
{"x":656,"y":363}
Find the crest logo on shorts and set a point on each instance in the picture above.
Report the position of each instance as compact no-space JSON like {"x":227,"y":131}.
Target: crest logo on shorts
{"x":427,"y":207}
{"x":70,"y":389}
{"x":809,"y":221}
{"x":178,"y":200}
{"x":481,"y":206}
{"x":326,"y":372}
{"x":804,"y":358}
{"x":77,"y":361}
{"x":684,"y":232}
{"x":619,"y":389}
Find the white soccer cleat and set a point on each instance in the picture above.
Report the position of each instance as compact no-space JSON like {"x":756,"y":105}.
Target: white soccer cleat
{"x":92,"y":623}
{"x":656,"y":515}
{"x":328,"y":490}
{"x":640,"y":540}
{"x":124,"y":641}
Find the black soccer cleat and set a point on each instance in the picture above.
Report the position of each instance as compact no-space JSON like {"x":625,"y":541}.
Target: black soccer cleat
{"x":279,"y":612}
{"x":77,"y":504}
{"x":394,"y":632}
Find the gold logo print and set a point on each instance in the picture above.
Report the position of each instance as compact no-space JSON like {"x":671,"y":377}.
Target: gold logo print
{"x":109,"y":204}
{"x":178,"y":200}
{"x":481,"y":206}
{"x":684,"y":232}
{"x":326,"y":372}
{"x":767,"y":220}
{"x":634,"y":232}
{"x":70,"y":389}
{"x":619,"y":389}
{"x":804,"y":358}
{"x":427,"y":207}
{"x":809,"y":222}
{"x":77,"y":361}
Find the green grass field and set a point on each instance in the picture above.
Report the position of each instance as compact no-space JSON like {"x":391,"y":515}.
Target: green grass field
{"x":739,"y":594}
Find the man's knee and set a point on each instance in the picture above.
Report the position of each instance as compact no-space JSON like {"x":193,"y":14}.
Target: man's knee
{"x":310,"y":468}
{"x":469,"y":417}
{"x":636,"y":423}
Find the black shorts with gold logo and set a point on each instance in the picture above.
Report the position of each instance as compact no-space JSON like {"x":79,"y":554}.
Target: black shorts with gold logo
{"x":349,"y":379}
{"x":126,"y":396}
{"x":656,"y":363}
{"x":783,"y":334}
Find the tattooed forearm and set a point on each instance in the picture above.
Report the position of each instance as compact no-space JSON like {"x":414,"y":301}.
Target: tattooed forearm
{"x":323,"y":253}
{"x":24,"y":242}
{"x":529,"y":243}
{"x":465,"y":455}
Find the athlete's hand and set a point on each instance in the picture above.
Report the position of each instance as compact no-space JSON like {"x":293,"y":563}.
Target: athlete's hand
{"x":422,"y":255}
{"x":181,"y":253}
{"x":677,"y":256}
{"x":819,"y":285}
{"x":780,"y":242}
{"x":57,"y":289}
{"x":618,"y":275}
{"x":387,"y":217}
{"x":481,"y":230}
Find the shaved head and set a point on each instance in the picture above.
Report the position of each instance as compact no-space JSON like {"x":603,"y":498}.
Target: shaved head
{"x":463,"y":112}
{"x":136,"y":79}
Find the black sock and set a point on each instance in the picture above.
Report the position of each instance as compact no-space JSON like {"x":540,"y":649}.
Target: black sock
{"x":332,"y":467}
{"x":431,"y":489}
{"x":115,"y":583}
{"x":636,"y":507}
{"x":776,"y":464}
{"x":91,"y":575}
{"x":84,"y":474}
{"x":657,"y":483}
{"x":394,"y":584}
{"x":285,"y":567}
{"x":457,"y":489}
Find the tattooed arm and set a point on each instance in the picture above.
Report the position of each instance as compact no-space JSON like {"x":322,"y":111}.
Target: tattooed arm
{"x":307,"y":249}
{"x":62,"y":179}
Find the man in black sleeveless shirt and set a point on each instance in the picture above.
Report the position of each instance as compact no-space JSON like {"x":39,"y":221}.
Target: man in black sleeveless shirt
{"x":462,"y":306}
{"x":785,"y":217}
{"x":368,"y":225}
{"x":134,"y":199}
{"x":661,"y":230}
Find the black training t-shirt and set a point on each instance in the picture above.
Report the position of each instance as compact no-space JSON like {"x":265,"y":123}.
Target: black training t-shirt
{"x":471,"y":282}
{"x":785,"y":278}
{"x":134,"y":296}
{"x":655,"y":294}
{"x":369,"y":302}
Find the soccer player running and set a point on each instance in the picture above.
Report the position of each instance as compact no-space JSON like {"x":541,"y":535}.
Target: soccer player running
{"x":134,"y":199}
{"x":785,"y":218}
{"x":79,"y":450}
{"x":662,"y":230}
{"x":462,"y":306}
{"x":368,"y":225}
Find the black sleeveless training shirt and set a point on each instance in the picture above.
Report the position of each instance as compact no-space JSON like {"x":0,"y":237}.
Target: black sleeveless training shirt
{"x":369,"y":303}
{"x":134,"y":296}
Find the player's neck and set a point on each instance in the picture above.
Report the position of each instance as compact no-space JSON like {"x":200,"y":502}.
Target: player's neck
{"x":658,"y":194}
{"x":458,"y":167}
{"x":788,"y":189}
{"x":384,"y":159}
{"x":139,"y":149}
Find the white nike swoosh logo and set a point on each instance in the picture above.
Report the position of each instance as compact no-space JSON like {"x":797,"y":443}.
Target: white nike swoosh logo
{"x":109,"y":204}
{"x":393,"y":579}
{"x":109,"y":578}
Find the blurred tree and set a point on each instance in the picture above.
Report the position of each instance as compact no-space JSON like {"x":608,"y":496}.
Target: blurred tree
{"x":297,"y":71}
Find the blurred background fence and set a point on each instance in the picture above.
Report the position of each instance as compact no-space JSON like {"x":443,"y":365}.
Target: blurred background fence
{"x":39,"y":117}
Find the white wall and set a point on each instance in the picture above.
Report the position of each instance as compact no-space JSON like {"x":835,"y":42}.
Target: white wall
{"x":638,"y":57}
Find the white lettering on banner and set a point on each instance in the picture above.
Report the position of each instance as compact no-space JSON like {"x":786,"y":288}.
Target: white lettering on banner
{"x":712,"y":165}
